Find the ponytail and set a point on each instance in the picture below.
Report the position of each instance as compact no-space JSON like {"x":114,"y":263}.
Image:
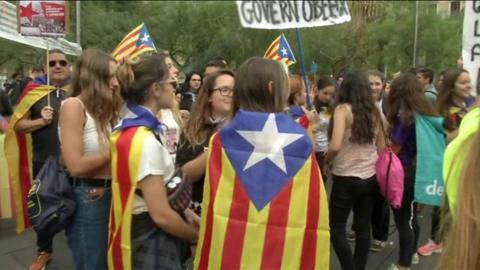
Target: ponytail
{"x":136,"y":77}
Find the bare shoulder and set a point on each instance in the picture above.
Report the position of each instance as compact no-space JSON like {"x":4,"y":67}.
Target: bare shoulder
{"x":342,"y":109}
{"x":72,"y":105}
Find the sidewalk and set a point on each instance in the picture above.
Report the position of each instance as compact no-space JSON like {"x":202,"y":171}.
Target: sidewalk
{"x":18,"y":251}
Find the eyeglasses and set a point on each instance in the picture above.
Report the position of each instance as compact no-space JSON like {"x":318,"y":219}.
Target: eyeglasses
{"x":62,"y":63}
{"x":224,"y":91}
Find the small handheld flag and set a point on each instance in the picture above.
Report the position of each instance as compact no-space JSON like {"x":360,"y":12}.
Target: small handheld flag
{"x":280,"y":50}
{"x":136,"y":42}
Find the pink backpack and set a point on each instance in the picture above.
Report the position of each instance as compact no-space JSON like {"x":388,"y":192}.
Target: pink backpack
{"x":390,"y":177}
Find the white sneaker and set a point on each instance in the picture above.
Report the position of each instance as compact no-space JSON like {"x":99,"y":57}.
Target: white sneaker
{"x":394,"y":267}
{"x":415,"y":258}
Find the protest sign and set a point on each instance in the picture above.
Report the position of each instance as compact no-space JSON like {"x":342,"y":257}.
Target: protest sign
{"x":292,"y":14}
{"x":471,"y":42}
{"x":42,"y":18}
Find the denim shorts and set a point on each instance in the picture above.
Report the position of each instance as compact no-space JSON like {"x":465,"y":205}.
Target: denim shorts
{"x":88,"y":233}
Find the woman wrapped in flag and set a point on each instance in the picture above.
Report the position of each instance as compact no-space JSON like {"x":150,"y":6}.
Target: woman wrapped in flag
{"x":264,"y":203}
{"x":145,"y":232}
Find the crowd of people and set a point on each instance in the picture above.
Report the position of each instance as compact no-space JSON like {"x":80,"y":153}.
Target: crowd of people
{"x":148,"y":156}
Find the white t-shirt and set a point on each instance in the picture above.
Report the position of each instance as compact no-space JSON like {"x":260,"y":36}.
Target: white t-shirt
{"x":155,"y":160}
{"x":171,"y":132}
{"x":321,"y":136}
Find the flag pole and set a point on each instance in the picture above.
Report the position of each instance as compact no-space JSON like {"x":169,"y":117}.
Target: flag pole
{"x":48,"y":69}
{"x":304,"y":70}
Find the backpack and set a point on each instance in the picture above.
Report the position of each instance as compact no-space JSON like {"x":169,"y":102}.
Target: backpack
{"x":51,"y":200}
{"x":390,"y":175}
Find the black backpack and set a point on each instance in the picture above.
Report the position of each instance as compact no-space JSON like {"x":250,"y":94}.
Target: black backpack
{"x":51,"y":200}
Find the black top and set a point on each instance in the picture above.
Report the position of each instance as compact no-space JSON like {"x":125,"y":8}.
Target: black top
{"x":45,"y":140}
{"x":187,"y":101}
{"x":185,"y":153}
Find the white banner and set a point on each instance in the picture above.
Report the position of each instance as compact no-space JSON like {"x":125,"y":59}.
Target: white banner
{"x":292,"y":14}
{"x":471,"y":42}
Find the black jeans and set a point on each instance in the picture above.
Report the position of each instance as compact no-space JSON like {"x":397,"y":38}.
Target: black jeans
{"x":380,"y":219}
{"x":44,"y":238}
{"x":358,"y":194}
{"x":435,"y":232}
{"x":406,"y":220}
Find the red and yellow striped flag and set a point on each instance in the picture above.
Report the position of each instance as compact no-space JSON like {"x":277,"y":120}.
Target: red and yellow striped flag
{"x":19,"y":153}
{"x":126,"y":145}
{"x":244,"y":224}
{"x":136,"y":42}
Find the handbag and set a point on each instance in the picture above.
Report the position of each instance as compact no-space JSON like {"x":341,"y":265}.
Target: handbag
{"x":51,"y":200}
{"x":390,"y":175}
{"x":179,"y":191}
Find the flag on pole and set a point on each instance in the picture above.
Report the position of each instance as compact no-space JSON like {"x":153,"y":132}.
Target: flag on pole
{"x":264,"y":203}
{"x":280,"y":50}
{"x":134,"y":43}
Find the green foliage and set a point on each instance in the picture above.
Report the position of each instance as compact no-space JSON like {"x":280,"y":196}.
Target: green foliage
{"x":196,"y":31}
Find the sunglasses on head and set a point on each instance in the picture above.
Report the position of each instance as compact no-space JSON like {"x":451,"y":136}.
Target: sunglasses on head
{"x":62,"y":63}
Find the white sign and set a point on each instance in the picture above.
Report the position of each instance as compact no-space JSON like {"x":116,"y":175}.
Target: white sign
{"x":292,"y":14}
{"x":471,"y":42}
{"x":8,"y":30}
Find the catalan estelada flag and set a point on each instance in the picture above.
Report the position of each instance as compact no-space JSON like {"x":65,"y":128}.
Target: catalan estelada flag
{"x":264,"y":203}
{"x":126,"y":144}
{"x":134,"y":43}
{"x":280,"y":50}
{"x":298,"y":114}
{"x":18,"y":150}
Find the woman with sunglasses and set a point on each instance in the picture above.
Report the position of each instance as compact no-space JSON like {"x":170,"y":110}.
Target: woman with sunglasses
{"x":145,"y":231}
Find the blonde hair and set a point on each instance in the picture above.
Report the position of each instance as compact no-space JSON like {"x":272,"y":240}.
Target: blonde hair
{"x":91,"y":77}
{"x":462,"y":245}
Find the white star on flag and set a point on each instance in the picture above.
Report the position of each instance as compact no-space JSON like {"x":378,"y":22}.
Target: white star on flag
{"x":284,"y":51}
{"x":145,"y":38}
{"x":268,"y":144}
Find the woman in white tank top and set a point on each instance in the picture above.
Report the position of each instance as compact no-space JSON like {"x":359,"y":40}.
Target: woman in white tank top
{"x":84,"y":126}
{"x":352,"y":154}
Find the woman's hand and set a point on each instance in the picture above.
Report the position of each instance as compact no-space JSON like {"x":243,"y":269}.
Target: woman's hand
{"x":192,"y":218}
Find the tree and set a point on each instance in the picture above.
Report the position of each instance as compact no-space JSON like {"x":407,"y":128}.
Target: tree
{"x":380,"y":34}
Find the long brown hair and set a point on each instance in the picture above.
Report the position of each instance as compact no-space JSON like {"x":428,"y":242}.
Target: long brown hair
{"x":198,"y":126}
{"x":462,"y":245}
{"x":446,"y":94}
{"x":355,"y":90}
{"x":91,"y":77}
{"x":406,"y":98}
{"x":252,"y":86}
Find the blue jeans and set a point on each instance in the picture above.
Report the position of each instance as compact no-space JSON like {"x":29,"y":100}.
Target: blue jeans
{"x":88,"y":233}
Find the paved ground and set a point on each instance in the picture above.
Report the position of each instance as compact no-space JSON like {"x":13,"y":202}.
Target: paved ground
{"x":17,"y":251}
